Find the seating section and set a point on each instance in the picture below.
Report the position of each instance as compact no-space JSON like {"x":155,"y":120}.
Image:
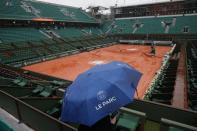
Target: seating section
{"x":185,"y":21}
{"x":27,"y":9}
{"x":127,"y":26}
{"x":35,"y":86}
{"x":11,"y":9}
{"x":91,"y":31}
{"x":150,"y":25}
{"x":17,"y":35}
{"x":106,"y":25}
{"x":22,"y":44}
{"x":192,"y":74}
{"x":156,"y":25}
{"x":20,"y":35}
{"x":69,"y":32}
{"x":162,"y":90}
{"x":30,"y":50}
{"x":163,"y":86}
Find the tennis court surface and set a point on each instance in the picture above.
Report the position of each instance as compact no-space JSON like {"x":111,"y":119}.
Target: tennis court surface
{"x":135,"y":55}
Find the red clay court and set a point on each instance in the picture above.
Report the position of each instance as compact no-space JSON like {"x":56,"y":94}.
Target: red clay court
{"x":135,"y":55}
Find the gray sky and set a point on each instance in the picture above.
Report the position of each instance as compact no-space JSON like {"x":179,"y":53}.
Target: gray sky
{"x":105,"y":3}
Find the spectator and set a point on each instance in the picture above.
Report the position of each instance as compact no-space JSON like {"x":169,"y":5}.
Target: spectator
{"x":105,"y":124}
{"x":102,"y":125}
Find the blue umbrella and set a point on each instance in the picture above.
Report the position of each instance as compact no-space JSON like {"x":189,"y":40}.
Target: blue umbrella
{"x":99,"y":91}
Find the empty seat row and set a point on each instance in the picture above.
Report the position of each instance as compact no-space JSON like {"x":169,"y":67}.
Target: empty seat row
{"x":25,"y":51}
{"x":162,"y":90}
{"x":192,"y":74}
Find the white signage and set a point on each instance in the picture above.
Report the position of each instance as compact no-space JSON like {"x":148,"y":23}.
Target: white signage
{"x":105,"y":103}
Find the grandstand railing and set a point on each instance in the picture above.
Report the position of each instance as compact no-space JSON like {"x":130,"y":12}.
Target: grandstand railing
{"x":145,"y":110}
{"x":30,"y":115}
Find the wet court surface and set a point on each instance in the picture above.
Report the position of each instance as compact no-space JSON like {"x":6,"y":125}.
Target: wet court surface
{"x":135,"y":55}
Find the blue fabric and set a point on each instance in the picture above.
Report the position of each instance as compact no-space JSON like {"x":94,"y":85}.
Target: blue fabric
{"x":99,"y":91}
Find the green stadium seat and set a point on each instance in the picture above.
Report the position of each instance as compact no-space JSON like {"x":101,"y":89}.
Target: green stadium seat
{"x":127,"y":122}
{"x":38,"y":89}
{"x":20,"y":35}
{"x":53,"y":111}
{"x":47,"y":91}
{"x":174,"y":129}
{"x":56,"y":110}
{"x":5,"y":127}
{"x":21,"y":82}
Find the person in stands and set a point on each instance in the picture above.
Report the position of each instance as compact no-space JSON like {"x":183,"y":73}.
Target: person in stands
{"x":105,"y":124}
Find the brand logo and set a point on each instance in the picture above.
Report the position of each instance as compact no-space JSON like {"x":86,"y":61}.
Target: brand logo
{"x":101,"y":95}
{"x":105,"y":103}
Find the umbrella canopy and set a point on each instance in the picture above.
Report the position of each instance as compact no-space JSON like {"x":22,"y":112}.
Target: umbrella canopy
{"x":99,"y":91}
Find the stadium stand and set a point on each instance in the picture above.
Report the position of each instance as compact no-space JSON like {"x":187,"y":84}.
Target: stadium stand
{"x":154,"y":25}
{"x":13,"y":10}
{"x":192,"y":74}
{"x":105,"y":26}
{"x":29,"y":34}
{"x":182,"y":22}
{"x":163,"y":86}
{"x":69,"y":32}
{"x":32,"y":10}
{"x":20,"y":35}
{"x":162,"y":91}
{"x":150,"y":25}
{"x":21,"y":45}
{"x":91,"y":31}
